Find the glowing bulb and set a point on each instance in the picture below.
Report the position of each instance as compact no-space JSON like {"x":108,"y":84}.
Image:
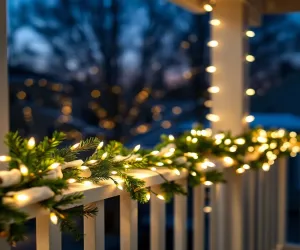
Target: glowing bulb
{"x":87,"y":183}
{"x":240,"y":141}
{"x":71,"y":181}
{"x":114,"y":172}
{"x":193,"y":132}
{"x":213,"y":89}
{"x":160,"y":164}
{"x":293,"y":134}
{"x":194,"y":140}
{"x":250,"y":33}
{"x":227,"y":142}
{"x":215,"y":22}
{"x":153,"y":169}
{"x":250,"y":58}
{"x":250,"y":92}
{"x":156,"y":152}
{"x":103,"y":157}
{"x":240,"y":170}
{"x":119,"y":186}
{"x":207,"y":7}
{"x":172,"y":150}
{"x":266,"y":167}
{"x":5,"y":158}
{"x":75,"y":146}
{"x":176,"y":171}
{"x":53,"y":218}
{"x":139,"y":159}
{"x":246,"y":166}
{"x":211,"y":69}
{"x":54,"y":165}
{"x":100,"y":145}
{"x":249,"y":118}
{"x":22,"y":197}
{"x":161,"y":197}
{"x":212,"y":117}
{"x":207,"y":183}
{"x":220,"y":136}
{"x":23,"y":170}
{"x":233,"y":148}
{"x":250,"y":149}
{"x":171,"y":138}
{"x":126,"y":166}
{"x":31,"y":143}
{"x":228,"y":161}
{"x":136,"y":148}
{"x":213,"y":43}
{"x":148,"y":196}
{"x":207,"y":209}
{"x":92,"y":161}
{"x":194,"y":174}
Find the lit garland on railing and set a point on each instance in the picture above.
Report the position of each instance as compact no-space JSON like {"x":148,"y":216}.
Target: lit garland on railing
{"x":39,"y":173}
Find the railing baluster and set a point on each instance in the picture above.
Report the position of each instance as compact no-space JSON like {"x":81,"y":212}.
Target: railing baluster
{"x":128,"y":223}
{"x":267,"y":211}
{"x":198,"y":217}
{"x":48,"y":236}
{"x":273,"y":206}
{"x":282,"y":192}
{"x":158,"y":222}
{"x":94,"y":229}
{"x":180,"y":220}
{"x":260,"y":211}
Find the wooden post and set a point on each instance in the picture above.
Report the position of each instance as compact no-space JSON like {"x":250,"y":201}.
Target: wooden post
{"x":230,"y":105}
{"x":4,"y":97}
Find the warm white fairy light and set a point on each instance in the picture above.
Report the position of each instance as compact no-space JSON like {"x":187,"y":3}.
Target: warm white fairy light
{"x":213,"y":43}
{"x":240,"y":141}
{"x":188,"y":138}
{"x":156,"y":152}
{"x":194,"y":140}
{"x":193,"y":132}
{"x":126,"y":166}
{"x":240,"y":170}
{"x":160,"y":164}
{"x":246,"y":166}
{"x":293,"y":134}
{"x":75,"y":146}
{"x":161,"y":197}
{"x":213,"y":89}
{"x":5,"y":158}
{"x":233,"y":148}
{"x":71,"y":181}
{"x":207,"y":183}
{"x":139,"y":159}
{"x":23,"y":170}
{"x":119,"y":186}
{"x":207,"y":7}
{"x":266,"y":167}
{"x":103,"y":157}
{"x":227,"y":142}
{"x":92,"y":161}
{"x":22,"y":197}
{"x":250,"y":92}
{"x":273,"y":145}
{"x":31,"y":143}
{"x":193,"y":173}
{"x":219,"y":136}
{"x":172,"y":150}
{"x":100,"y":145}
{"x":207,"y":209}
{"x":148,"y":196}
{"x":53,"y":218}
{"x":211,"y":69}
{"x":87,"y":183}
{"x":228,"y":161}
{"x":213,"y":117}
{"x":208,"y":103}
{"x":250,"y":33}
{"x":176,"y":171}
{"x":153,"y":169}
{"x":171,"y":138}
{"x":262,"y":139}
{"x":114,"y":172}
{"x":249,"y":118}
{"x":250,"y":58}
{"x":215,"y":22}
{"x":137,"y":148}
{"x":54,"y":165}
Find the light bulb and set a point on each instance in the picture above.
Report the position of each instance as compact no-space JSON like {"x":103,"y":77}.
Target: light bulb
{"x":228,"y":161}
{"x":176,"y":171}
{"x":211,"y":69}
{"x":22,"y":197}
{"x":240,"y":170}
{"x":75,"y":146}
{"x":194,"y":174}
{"x":71,"y":181}
{"x":136,"y":148}
{"x":5,"y":158}
{"x":119,"y":186}
{"x":148,"y":196}
{"x":293,"y":134}
{"x":240,"y":141}
{"x":207,"y":7}
{"x":54,"y":165}
{"x":266,"y":167}
{"x":87,"y":183}
{"x":212,"y":117}
{"x":160,"y":164}
{"x":249,"y":118}
{"x":153,"y":168}
{"x":233,"y":148}
{"x":139,"y":159}
{"x":194,"y":140}
{"x":31,"y":143}
{"x":207,"y":183}
{"x":246,"y":166}
{"x":215,"y":22}
{"x":213,"y":89}
{"x":92,"y":161}
{"x":114,"y":172}
{"x":193,"y":132}
{"x":213,"y":43}
{"x":227,"y":142}
{"x":156,"y":152}
{"x":250,"y":33}
{"x":103,"y":157}
{"x":171,"y":138}
{"x":188,"y":138}
{"x":250,"y":58}
{"x":250,"y":92}
{"x":53,"y":218}
{"x":207,"y":209}
{"x":100,"y":145}
{"x":23,"y":170}
{"x":161,"y":197}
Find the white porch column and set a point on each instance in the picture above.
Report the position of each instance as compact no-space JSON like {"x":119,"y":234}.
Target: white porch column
{"x":4,"y":98}
{"x":230,"y":105}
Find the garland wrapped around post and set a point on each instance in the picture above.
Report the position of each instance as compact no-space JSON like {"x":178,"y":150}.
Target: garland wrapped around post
{"x":40,"y":172}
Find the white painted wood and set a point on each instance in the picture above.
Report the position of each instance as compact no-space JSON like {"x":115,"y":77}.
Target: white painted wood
{"x":4,"y":94}
{"x":230,"y":104}
{"x":260,"y":226}
{"x":273,"y":205}
{"x":157,"y":223}
{"x":198,"y":217}
{"x":282,"y":200}
{"x":267,"y":211}
{"x":180,"y":219}
{"x":94,"y":229}
{"x":128,"y":222}
{"x":48,"y":236}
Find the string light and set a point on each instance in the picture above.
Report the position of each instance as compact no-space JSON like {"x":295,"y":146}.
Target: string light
{"x":207,"y":209}
{"x":250,"y":58}
{"x":87,"y":183}
{"x":250,"y":33}
{"x":148,"y":196}
{"x":240,"y":170}
{"x":250,"y":92}
{"x":212,"y":117}
{"x":211,"y":69}
{"x":92,"y":161}
{"x":31,"y":143}
{"x":156,"y":152}
{"x":220,"y":136}
{"x":266,"y":167}
{"x":227,"y":142}
{"x":103,"y":157}
{"x":54,"y":165}
{"x":136,"y":148}
{"x":194,"y":140}
{"x":160,"y":164}
{"x":119,"y":186}
{"x":213,"y":89}
{"x":161,"y":197}
{"x":5,"y":158}
{"x":100,"y":145}
{"x":23,"y":170}
{"x":293,"y":134}
{"x":126,"y":166}
{"x":171,"y":138}
{"x":215,"y":22}
{"x":75,"y":146}
{"x":22,"y":197}
{"x":193,"y":173}
{"x":246,"y":166}
{"x":207,"y":183}
{"x":71,"y":181}
{"x":176,"y":171}
{"x":153,"y":169}
{"x":139,"y":159}
{"x":249,"y":118}
{"x":240,"y":141}
{"x":53,"y":218}
{"x":207,"y":7}
{"x":188,"y":138}
{"x":233,"y":148}
{"x":213,"y":43}
{"x":228,"y":161}
{"x":114,"y":172}
{"x":193,"y":132}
